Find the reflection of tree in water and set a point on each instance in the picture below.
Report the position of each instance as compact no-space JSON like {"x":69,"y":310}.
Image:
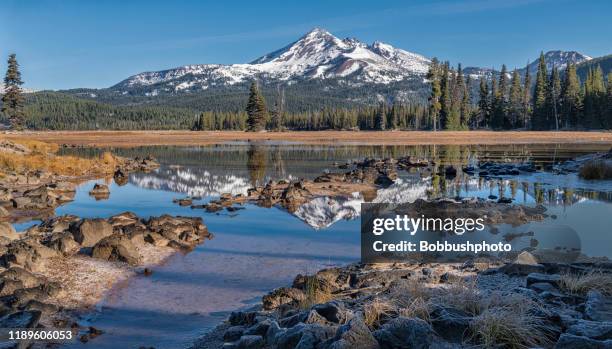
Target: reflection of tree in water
{"x":256,"y":164}
{"x":277,"y":163}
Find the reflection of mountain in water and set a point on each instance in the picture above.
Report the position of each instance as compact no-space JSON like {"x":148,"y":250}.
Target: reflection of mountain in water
{"x":192,"y":181}
{"x":323,"y":212}
{"x":403,"y":190}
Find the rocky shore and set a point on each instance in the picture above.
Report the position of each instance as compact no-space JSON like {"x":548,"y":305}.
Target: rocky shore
{"x":477,"y":304}
{"x":55,"y":270}
{"x":482,"y":303}
{"x":58,"y":269}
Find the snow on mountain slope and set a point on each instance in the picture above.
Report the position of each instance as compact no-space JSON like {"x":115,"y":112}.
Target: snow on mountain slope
{"x":316,"y":55}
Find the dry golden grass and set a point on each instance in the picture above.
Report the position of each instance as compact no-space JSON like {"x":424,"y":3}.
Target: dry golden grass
{"x":597,"y":169}
{"x":418,"y":308}
{"x":510,"y":327}
{"x":581,"y":284}
{"x":376,"y":310}
{"x":404,"y":292}
{"x":314,"y":294}
{"x":42,"y":157}
{"x":462,"y":295}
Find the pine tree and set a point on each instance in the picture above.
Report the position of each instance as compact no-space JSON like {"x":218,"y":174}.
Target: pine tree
{"x":484,"y":108}
{"x":552,"y":101}
{"x":465,"y":105}
{"x":515,"y":102}
{"x":453,"y":118}
{"x":446,"y":97}
{"x":434,"y":99}
{"x":381,"y":118}
{"x":256,"y":110}
{"x":609,"y":102}
{"x":594,"y":99}
{"x":526,"y":110}
{"x":12,"y":100}
{"x":571,"y":101}
{"x":540,"y":115}
{"x":500,"y":100}
{"x":278,"y":111}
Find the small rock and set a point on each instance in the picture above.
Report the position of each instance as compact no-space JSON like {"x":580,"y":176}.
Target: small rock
{"x":542,"y":287}
{"x":8,"y":231}
{"x":100,"y":191}
{"x":116,"y":248}
{"x":401,"y":333}
{"x":233,"y":333}
{"x":593,"y":329}
{"x":598,"y":307}
{"x":552,"y":279}
{"x":570,"y":341}
{"x":88,"y":232}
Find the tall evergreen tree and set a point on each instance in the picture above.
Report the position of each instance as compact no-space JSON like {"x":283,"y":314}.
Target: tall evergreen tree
{"x":552,"y":102}
{"x":446,"y":97}
{"x":527,"y":98}
{"x":515,"y":102}
{"x":594,"y":99}
{"x":465,"y":105}
{"x":540,"y":113}
{"x":571,"y":101}
{"x":500,"y":100}
{"x":381,"y":118}
{"x":12,"y":100}
{"x":609,"y":102}
{"x":435,"y":106}
{"x":277,"y":113}
{"x":484,"y":108}
{"x":453,"y":118}
{"x":256,"y":110}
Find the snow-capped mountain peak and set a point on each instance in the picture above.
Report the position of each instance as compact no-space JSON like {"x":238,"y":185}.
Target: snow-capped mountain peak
{"x":316,"y":55}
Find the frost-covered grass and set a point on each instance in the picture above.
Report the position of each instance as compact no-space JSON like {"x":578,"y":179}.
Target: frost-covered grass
{"x":581,"y":284}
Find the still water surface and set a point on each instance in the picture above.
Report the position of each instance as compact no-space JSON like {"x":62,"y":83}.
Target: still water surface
{"x":258,"y":249}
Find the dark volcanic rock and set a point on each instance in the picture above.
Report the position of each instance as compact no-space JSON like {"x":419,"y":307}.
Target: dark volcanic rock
{"x":21,"y":319}
{"x":570,"y":341}
{"x":116,"y":248}
{"x":88,"y":232}
{"x":405,"y":333}
{"x":355,"y":334}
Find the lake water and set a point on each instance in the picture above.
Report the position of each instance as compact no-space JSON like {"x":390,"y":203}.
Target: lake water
{"x":258,"y":249}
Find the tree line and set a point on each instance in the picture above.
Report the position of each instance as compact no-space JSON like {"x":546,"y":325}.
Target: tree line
{"x":257,"y":117}
{"x":553,"y":101}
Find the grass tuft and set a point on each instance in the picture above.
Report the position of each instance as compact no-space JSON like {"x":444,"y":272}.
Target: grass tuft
{"x":581,"y":284}
{"x":596,"y":169}
{"x":510,"y":327}
{"x":376,"y":310}
{"x":315,"y":294}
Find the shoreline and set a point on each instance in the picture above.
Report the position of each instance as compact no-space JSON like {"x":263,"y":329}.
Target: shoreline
{"x":126,"y":139}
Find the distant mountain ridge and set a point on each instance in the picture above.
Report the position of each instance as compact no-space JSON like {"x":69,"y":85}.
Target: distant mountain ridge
{"x":316,"y":55}
{"x":316,"y":71}
{"x":320,"y":61}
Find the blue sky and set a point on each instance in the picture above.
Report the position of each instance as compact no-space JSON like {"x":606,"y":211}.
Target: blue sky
{"x":67,"y":44}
